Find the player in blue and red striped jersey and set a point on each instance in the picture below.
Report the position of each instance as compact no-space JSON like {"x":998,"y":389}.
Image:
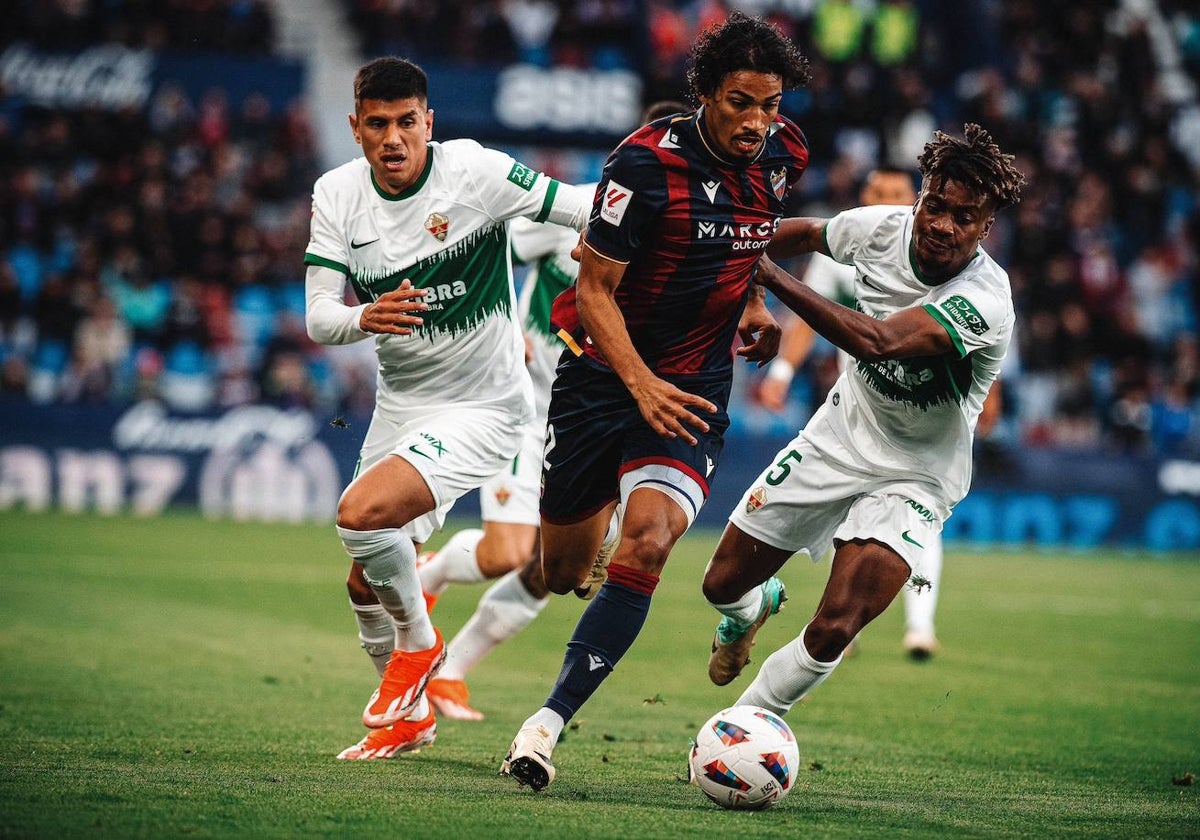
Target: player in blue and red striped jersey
{"x":684,"y":209}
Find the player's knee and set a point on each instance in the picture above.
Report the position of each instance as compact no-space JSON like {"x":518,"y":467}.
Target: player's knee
{"x":646,"y":549}
{"x":721,"y":584}
{"x":357,"y":513}
{"x":719,"y":588}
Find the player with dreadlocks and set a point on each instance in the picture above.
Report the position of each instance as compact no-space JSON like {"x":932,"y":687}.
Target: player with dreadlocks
{"x":882,"y":463}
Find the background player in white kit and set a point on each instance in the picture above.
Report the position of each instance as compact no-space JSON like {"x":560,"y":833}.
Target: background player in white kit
{"x":885,"y":459}
{"x":835,"y":281}
{"x":419,"y":229}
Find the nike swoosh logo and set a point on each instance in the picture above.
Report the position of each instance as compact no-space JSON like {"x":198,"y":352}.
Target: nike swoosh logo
{"x":871,"y":285}
{"x":356,"y":245}
{"x":414,"y":449}
{"x":909,"y":539}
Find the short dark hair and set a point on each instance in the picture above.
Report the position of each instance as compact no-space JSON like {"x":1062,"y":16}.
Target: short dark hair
{"x":390,"y":79}
{"x":974,"y":161}
{"x":743,"y":43}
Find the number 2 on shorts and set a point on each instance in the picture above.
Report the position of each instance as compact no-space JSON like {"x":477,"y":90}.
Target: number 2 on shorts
{"x":775,"y":478}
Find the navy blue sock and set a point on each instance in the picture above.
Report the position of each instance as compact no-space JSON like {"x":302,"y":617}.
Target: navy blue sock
{"x":605,"y":631}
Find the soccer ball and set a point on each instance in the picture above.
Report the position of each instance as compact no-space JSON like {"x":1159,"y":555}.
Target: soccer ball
{"x":744,"y":758}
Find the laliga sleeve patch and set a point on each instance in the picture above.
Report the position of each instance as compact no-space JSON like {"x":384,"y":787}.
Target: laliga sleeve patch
{"x":615,"y":203}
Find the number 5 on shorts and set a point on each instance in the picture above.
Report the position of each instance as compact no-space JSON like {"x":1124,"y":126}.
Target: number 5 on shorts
{"x":775,"y":478}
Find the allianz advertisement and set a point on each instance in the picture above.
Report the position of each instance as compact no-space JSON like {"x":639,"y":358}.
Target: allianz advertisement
{"x":265,"y":464}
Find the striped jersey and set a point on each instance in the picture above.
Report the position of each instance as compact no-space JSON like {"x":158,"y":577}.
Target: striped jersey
{"x":690,"y":226}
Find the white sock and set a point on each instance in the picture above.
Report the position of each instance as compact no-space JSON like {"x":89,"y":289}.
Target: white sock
{"x":548,"y":718}
{"x":389,"y":564}
{"x":787,"y":675}
{"x":454,"y":563}
{"x":919,"y":607}
{"x":744,"y":610}
{"x":376,"y":632}
{"x":505,"y":610}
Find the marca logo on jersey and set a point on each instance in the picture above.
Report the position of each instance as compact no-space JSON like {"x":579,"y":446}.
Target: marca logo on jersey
{"x":522,"y":176}
{"x":964,"y":314}
{"x":745,"y":237}
{"x":615,"y":202}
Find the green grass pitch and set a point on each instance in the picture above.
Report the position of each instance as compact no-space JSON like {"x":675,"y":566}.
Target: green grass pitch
{"x":178,"y":677}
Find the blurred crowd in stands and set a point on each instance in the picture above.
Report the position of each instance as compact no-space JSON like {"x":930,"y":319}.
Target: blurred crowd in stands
{"x":158,"y":252}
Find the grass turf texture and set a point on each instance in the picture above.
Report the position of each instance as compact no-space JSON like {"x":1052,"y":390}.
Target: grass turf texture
{"x":178,"y":677}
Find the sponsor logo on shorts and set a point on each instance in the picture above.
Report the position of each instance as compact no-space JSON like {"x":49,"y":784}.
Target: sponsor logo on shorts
{"x":614,"y":203}
{"x":758,"y":498}
{"x":905,"y":536}
{"x":431,"y":443}
{"x":925,"y":512}
{"x":523,"y":176}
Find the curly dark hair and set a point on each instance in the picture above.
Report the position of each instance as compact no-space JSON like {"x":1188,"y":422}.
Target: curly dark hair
{"x":975,"y":161}
{"x":743,"y":43}
{"x":390,"y":79}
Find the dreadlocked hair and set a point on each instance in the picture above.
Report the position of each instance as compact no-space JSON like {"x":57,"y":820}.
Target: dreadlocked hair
{"x":975,"y":161}
{"x":743,"y":43}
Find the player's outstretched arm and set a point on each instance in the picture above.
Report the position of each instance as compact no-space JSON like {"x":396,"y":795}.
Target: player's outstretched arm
{"x":796,"y":236}
{"x":902,"y":335}
{"x":664,"y":407}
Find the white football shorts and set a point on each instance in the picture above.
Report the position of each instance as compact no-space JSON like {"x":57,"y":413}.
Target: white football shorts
{"x":804,"y":501}
{"x":511,"y":495}
{"x":455,"y":450}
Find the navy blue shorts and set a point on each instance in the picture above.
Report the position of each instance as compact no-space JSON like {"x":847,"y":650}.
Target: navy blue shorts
{"x":595,"y":434}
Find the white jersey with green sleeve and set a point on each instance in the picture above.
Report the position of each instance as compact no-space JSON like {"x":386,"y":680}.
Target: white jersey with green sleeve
{"x":547,"y":250}
{"x":915,"y":417}
{"x":448,"y":234}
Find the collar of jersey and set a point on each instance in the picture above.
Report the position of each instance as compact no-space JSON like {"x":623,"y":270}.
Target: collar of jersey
{"x":700,"y":130}
{"x":912,"y":261}
{"x":409,"y":191}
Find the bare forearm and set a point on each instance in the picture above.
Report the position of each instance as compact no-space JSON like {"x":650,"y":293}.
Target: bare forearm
{"x":796,"y":236}
{"x":605,"y":326}
{"x":906,"y":334}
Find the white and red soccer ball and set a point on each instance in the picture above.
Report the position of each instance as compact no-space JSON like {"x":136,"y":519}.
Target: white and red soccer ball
{"x":745,"y":758}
